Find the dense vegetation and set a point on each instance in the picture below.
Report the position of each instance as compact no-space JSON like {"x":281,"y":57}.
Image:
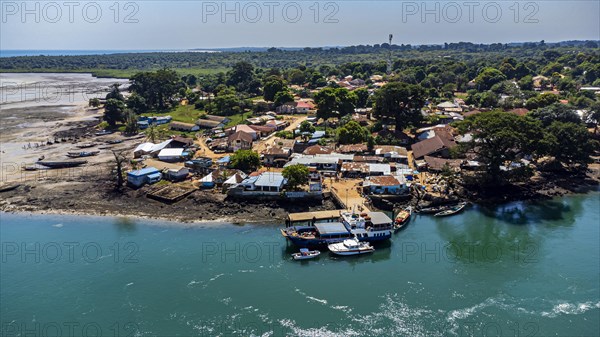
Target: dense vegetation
{"x":546,"y":79}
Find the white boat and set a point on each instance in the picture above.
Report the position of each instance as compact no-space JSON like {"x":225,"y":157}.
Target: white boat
{"x":306,"y":254}
{"x":351,"y":247}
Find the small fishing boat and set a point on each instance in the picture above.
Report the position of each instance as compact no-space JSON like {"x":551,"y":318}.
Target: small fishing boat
{"x":103,"y":132}
{"x":29,"y":168}
{"x":432,"y":210}
{"x":114,"y":141}
{"x":452,"y":210}
{"x":351,"y":247}
{"x":62,"y":164}
{"x":402,"y":218}
{"x":8,"y":187}
{"x":82,"y":154}
{"x":86,"y":145}
{"x":306,"y":254}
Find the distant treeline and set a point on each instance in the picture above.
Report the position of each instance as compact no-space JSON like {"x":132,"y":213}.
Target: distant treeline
{"x":276,"y":58}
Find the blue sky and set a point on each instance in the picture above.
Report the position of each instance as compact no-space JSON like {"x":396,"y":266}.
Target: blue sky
{"x":201,"y":24}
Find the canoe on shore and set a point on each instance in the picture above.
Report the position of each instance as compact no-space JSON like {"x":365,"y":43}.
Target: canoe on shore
{"x":8,"y":187}
{"x":82,"y":154}
{"x":62,"y":164}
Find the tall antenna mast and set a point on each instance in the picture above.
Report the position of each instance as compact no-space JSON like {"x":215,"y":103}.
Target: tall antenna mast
{"x":389,"y":61}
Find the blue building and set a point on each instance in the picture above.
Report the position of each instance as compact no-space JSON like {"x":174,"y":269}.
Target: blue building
{"x":148,"y":175}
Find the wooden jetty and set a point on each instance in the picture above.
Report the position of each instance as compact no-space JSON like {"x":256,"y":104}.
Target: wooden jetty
{"x":312,"y":217}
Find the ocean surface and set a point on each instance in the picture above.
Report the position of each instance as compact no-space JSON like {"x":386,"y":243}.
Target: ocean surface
{"x":22,"y":52}
{"x":519,"y":269}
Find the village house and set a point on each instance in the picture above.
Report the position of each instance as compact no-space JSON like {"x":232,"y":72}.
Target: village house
{"x":178,"y":141}
{"x":219,"y":177}
{"x":276,"y":156}
{"x":385,"y":185}
{"x":439,"y":145}
{"x":317,"y":149}
{"x":392,"y":153}
{"x":177,"y":174}
{"x":265,"y":183}
{"x":277,"y":124}
{"x":240,"y":140}
{"x":208,"y":123}
{"x":172,"y":154}
{"x":262,"y":130}
{"x":369,"y":159}
{"x":243,"y":128}
{"x":353,"y":148}
{"x":354,"y":170}
{"x":186,"y":127}
{"x":150,"y":149}
{"x":148,"y":175}
{"x":435,"y":164}
{"x":302,"y":107}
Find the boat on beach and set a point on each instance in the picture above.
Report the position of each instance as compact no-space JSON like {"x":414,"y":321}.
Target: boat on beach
{"x":402,"y":218}
{"x":5,"y":187}
{"x":86,"y":145}
{"x":82,"y":154}
{"x":351,"y":247}
{"x":452,"y":210}
{"x":114,"y":141}
{"x":305,"y":254}
{"x":62,"y":164}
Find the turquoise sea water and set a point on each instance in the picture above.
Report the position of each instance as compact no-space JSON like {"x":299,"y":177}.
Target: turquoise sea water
{"x":520,"y":269}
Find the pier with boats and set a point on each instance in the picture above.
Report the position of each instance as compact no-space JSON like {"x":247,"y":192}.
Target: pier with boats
{"x":344,"y":232}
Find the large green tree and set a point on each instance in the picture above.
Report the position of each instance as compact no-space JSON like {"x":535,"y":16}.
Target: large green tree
{"x":488,"y":77}
{"x":556,"y":112}
{"x":296,"y":175}
{"x":272,"y":86}
{"x":158,"y":89}
{"x":500,"y":138}
{"x":245,"y":160}
{"x":569,"y":143}
{"x":352,"y":133}
{"x":114,"y":111}
{"x":401,"y":102}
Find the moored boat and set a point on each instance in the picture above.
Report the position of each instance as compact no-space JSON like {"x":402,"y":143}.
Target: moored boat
{"x":319,"y":235}
{"x":402,"y":218}
{"x":305,"y":254}
{"x":62,"y":164}
{"x":351,"y":247}
{"x":370,"y":226}
{"x":452,"y":210}
{"x":82,"y":154}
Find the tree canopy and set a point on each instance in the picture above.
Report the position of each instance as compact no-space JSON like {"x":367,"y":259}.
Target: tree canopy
{"x":296,"y":175}
{"x":400,"y":101}
{"x":245,"y":160}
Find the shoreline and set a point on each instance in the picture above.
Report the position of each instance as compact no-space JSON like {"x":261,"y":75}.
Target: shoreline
{"x":231,"y":219}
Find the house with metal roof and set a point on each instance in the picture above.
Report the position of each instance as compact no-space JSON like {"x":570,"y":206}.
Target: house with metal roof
{"x":385,"y":185}
{"x":148,"y":175}
{"x":171,"y":154}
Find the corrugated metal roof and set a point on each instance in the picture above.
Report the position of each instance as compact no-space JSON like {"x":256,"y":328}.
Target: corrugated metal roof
{"x":143,"y":172}
{"x":271,"y":179}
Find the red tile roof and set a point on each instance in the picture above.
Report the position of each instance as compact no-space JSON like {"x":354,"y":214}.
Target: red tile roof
{"x":384,"y":181}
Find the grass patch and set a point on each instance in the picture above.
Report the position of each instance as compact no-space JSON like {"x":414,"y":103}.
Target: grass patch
{"x":238,"y":119}
{"x":181,"y":113}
